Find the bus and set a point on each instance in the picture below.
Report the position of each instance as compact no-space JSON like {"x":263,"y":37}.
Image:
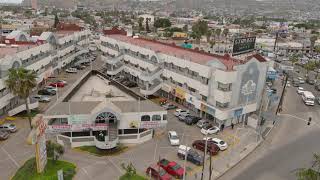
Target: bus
{"x":308,"y":98}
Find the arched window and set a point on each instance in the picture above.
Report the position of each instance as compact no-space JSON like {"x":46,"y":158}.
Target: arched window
{"x":145,"y":118}
{"x":156,"y":117}
{"x":105,"y":117}
{"x":154,"y":59}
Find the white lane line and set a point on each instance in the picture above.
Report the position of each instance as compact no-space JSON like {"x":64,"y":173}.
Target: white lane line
{"x":14,"y":161}
{"x":120,"y":170}
{"x":155,"y":150}
{"x":86,"y":172}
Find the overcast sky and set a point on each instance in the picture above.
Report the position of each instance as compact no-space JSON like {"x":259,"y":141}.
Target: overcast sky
{"x":10,"y":1}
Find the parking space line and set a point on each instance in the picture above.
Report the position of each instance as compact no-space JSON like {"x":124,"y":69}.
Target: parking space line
{"x":86,"y":172}
{"x":10,"y":157}
{"x":110,"y":160}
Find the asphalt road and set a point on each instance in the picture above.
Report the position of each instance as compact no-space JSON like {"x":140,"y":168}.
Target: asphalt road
{"x":289,"y":146}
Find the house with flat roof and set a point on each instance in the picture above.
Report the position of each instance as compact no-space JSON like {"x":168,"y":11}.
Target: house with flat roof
{"x":221,"y":88}
{"x":103,"y":116}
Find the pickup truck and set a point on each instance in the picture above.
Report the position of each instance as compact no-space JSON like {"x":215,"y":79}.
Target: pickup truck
{"x":172,"y":168}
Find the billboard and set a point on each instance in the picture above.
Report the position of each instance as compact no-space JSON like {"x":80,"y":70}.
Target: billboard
{"x":243,"y":45}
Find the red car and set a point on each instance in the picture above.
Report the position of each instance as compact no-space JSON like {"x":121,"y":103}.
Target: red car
{"x":57,"y":84}
{"x":172,"y":168}
{"x":157,"y":173}
{"x":212,"y":148}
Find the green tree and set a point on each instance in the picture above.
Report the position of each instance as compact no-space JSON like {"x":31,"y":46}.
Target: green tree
{"x":56,"y":21}
{"x":199,"y":29}
{"x":208,"y":35}
{"x":310,"y":66}
{"x":217,"y":32}
{"x":140,"y":21}
{"x":21,"y":82}
{"x":294,"y":59}
{"x":54,"y":150}
{"x":310,"y":173}
{"x":225,"y":32}
{"x":185,"y":28}
{"x":129,"y":169}
{"x":147,"y":24}
{"x":313,"y":40}
{"x":162,"y":23}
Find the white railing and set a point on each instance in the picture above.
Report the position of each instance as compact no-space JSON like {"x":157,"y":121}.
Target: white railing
{"x":106,"y":144}
{"x":145,"y":76}
{"x":151,"y":90}
{"x":115,"y":71}
{"x":22,"y":107}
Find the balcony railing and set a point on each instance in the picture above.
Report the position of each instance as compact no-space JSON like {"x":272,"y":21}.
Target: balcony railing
{"x":153,"y":88}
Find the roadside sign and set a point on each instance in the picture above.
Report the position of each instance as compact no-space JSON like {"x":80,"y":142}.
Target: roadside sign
{"x":243,"y":45}
{"x":287,"y":68}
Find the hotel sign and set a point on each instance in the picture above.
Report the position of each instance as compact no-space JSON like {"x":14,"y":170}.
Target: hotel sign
{"x":75,"y":127}
{"x":243,"y":45}
{"x":152,"y":124}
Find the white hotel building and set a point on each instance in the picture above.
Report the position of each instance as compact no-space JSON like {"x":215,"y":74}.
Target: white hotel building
{"x":221,"y":88}
{"x":45,"y":54}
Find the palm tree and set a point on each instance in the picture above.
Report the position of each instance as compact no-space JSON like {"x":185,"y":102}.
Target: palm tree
{"x":294,"y":59}
{"x":311,"y":173}
{"x":21,"y":82}
{"x":218,"y":32}
{"x":313,"y":40}
{"x":140,"y":21}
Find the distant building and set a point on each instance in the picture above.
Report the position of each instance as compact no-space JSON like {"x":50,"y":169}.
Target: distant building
{"x":34,"y":4}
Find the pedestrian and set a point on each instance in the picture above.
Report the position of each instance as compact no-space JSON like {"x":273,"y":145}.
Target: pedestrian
{"x":195,"y":176}
{"x":232,"y":125}
{"x":222,"y":127}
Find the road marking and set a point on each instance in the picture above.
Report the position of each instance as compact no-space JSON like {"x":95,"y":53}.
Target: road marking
{"x":10,"y":157}
{"x":120,"y":170}
{"x":155,"y":150}
{"x":86,"y":172}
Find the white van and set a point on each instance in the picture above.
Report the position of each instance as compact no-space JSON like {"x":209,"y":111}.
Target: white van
{"x":308,"y":98}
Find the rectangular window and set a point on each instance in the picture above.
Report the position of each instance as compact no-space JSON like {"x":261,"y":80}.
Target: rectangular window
{"x":222,"y":105}
{"x":224,"y":87}
{"x":130,"y":131}
{"x":204,"y":98}
{"x":164,"y":117}
{"x":156,"y":117}
{"x":191,"y":89}
{"x":120,"y":131}
{"x":83,"y":133}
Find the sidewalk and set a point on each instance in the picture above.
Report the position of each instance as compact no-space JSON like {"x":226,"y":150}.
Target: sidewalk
{"x":247,"y":142}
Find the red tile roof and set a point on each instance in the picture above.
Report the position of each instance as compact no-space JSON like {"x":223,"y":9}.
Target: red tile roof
{"x":180,"y":52}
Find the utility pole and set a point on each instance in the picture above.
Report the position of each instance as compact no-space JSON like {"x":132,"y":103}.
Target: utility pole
{"x":204,"y":157}
{"x":282,"y":94}
{"x":210,"y":168}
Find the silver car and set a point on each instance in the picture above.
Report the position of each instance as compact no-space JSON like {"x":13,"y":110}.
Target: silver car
{"x":8,"y":127}
{"x":4,"y":135}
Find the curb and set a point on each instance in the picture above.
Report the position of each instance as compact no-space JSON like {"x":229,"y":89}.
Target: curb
{"x":231,"y":167}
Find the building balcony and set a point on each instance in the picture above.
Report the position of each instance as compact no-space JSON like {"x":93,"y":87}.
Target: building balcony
{"x":114,"y":69}
{"x":151,"y":89}
{"x":150,"y":76}
{"x":33,"y":104}
{"x":111,"y":60}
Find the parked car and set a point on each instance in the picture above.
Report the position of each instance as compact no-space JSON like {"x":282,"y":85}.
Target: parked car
{"x":318,"y":100}
{"x":190,"y":120}
{"x":169,"y":106}
{"x":173,"y":138}
{"x":42,"y":98}
{"x":192,"y":155}
{"x":300,"y":90}
{"x":182,"y":117}
{"x":62,"y":81}
{"x":181,"y":112}
{"x":71,"y":70}
{"x":209,"y":129}
{"x":163,"y":101}
{"x":317,"y":87}
{"x":79,"y":67}
{"x":172,"y":168}
{"x":51,"y":88}
{"x":212,"y":148}
{"x":220,"y":143}
{"x":202,"y":123}
{"x":57,"y":84}
{"x":311,"y":81}
{"x":8,"y":127}
{"x":47,"y":92}
{"x":157,"y":172}
{"x":301,"y":80}
{"x":4,"y":135}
